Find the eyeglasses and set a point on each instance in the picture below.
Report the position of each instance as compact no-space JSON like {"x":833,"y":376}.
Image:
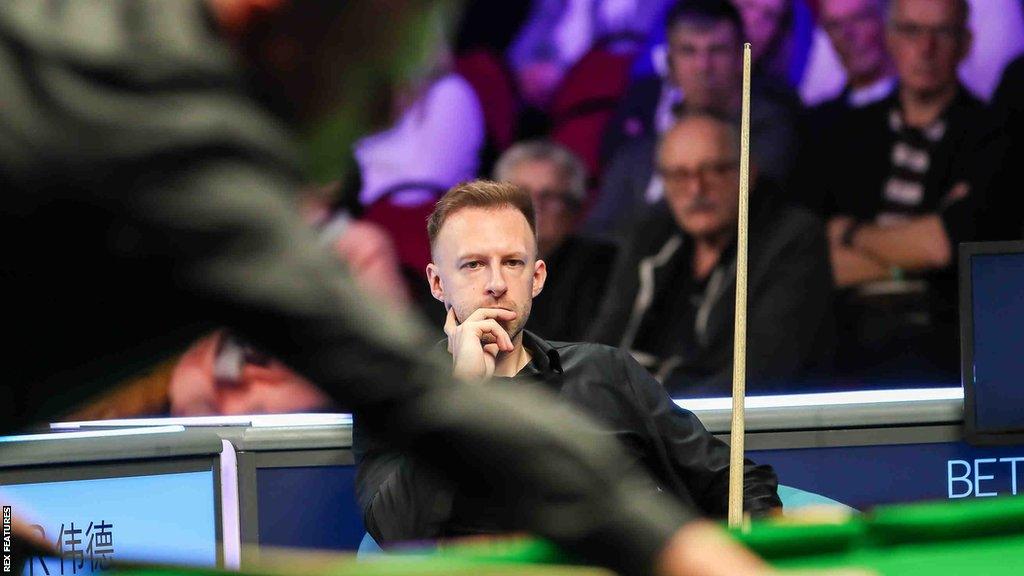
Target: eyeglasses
{"x":707,"y":173}
{"x":914,"y":32}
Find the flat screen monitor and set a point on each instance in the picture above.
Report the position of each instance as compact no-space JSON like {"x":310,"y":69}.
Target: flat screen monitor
{"x":992,"y":341}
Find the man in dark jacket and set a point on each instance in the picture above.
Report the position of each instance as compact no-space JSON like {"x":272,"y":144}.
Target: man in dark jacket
{"x":486,"y":272}
{"x":148,"y":166}
{"x":672,"y":297}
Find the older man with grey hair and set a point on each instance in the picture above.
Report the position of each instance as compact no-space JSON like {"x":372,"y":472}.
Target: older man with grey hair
{"x":556,"y":180}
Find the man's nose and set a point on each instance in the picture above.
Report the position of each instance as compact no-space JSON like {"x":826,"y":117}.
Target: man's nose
{"x":693,"y":186}
{"x":496,"y":285}
{"x":704,"y":61}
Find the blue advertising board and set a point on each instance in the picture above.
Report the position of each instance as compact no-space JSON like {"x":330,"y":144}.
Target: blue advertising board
{"x":159,"y":518}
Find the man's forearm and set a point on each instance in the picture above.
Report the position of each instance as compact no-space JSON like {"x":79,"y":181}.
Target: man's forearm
{"x":850,"y":267}
{"x":919,"y":244}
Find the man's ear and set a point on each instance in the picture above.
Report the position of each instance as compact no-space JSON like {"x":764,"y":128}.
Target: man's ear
{"x":434,"y":280}
{"x":540,"y":275}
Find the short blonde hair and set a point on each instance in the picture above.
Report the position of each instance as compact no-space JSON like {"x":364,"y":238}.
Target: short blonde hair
{"x":480,"y":194}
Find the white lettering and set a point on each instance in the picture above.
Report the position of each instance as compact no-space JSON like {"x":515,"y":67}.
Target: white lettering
{"x":966,"y":478}
{"x":978,"y":477}
{"x":1013,"y":472}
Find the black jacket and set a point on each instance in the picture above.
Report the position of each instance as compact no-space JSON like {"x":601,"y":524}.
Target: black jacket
{"x":577,"y":277}
{"x":402,"y":499}
{"x":790,"y":327}
{"x":147,"y":196}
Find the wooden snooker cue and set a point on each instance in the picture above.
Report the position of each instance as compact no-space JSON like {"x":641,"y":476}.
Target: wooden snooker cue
{"x":739,"y":350}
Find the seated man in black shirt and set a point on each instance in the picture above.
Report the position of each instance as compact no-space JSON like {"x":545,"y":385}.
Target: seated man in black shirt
{"x":899,"y":181}
{"x":672,"y":296}
{"x":579,"y":266}
{"x":486,"y":272}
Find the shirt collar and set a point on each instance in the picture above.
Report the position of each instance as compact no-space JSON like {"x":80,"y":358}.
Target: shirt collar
{"x":878,"y":90}
{"x":544,"y":359}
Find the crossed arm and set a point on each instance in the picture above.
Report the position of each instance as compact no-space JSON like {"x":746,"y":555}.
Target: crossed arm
{"x":873,"y":251}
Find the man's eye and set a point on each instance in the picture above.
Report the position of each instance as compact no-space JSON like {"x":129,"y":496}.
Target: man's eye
{"x":515,"y":263}
{"x":472,"y":265}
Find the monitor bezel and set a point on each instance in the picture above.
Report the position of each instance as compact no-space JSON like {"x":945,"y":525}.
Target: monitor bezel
{"x":971,"y":432}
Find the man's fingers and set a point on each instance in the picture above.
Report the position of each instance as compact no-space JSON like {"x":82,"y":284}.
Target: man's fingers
{"x":492,"y":349}
{"x":495,"y":330}
{"x":450,"y":323}
{"x":491,"y":314}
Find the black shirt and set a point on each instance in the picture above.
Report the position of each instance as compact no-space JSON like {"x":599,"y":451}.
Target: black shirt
{"x":577,"y":276}
{"x":876,"y":169}
{"x":856,"y":162}
{"x":402,"y":500}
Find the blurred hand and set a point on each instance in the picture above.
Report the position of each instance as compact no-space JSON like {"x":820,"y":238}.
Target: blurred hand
{"x":27,"y":542}
{"x":475,"y":343}
{"x":701,"y":548}
{"x":837,"y":228}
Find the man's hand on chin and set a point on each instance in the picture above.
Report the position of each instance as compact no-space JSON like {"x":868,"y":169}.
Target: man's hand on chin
{"x":476,"y":342}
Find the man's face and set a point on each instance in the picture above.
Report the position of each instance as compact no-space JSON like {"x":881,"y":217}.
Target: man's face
{"x":762,"y":20}
{"x":551,"y":200}
{"x":857,"y":31}
{"x":706,"y":63}
{"x":699,"y":167}
{"x":487,"y":258}
{"x":926,"y":44}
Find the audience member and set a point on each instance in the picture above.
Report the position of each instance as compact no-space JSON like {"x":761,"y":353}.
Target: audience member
{"x":997,"y":27}
{"x":770,"y":30}
{"x":671,"y":298}
{"x":705,"y":40}
{"x":1004,"y":206}
{"x":556,"y":180}
{"x":899,"y":182}
{"x":856,"y":29}
{"x":223,"y":374}
{"x":486,"y":271}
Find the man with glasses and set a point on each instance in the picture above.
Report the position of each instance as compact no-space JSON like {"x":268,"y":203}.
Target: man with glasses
{"x":556,"y":180}
{"x":856,"y":29}
{"x":899,"y":181}
{"x":672,"y":298}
